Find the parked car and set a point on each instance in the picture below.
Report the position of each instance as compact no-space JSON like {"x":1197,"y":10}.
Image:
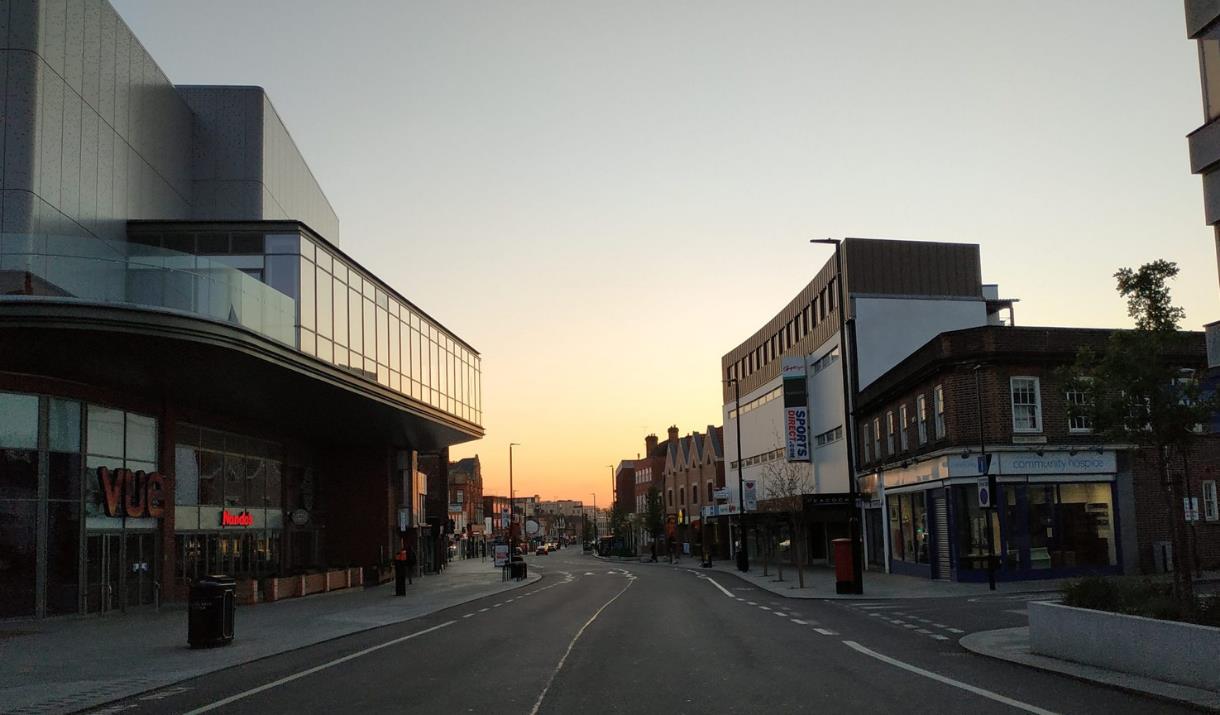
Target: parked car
{"x":541,"y":551}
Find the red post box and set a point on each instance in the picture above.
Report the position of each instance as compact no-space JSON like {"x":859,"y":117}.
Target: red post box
{"x":843,"y":565}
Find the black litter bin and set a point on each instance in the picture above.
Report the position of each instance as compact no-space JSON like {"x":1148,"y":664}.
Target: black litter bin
{"x":211,"y":610}
{"x":516,"y":568}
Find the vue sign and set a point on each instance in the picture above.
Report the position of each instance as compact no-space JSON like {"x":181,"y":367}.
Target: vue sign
{"x":132,"y":494}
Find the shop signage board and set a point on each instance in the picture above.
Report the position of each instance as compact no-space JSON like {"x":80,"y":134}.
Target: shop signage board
{"x":404,"y":518}
{"x":796,"y":422}
{"x":721,"y":493}
{"x":750,"y":492}
{"x":727,"y":509}
{"x":132,"y":494}
{"x":243,"y":518}
{"x":500,"y":555}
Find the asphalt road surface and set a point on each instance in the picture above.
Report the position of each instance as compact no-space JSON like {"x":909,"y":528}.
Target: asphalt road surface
{"x":602,"y":637}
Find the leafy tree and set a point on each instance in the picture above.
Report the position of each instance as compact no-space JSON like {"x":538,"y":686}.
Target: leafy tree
{"x":1135,"y":392}
{"x":654,"y":514}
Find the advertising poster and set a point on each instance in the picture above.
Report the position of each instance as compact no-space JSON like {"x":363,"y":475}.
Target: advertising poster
{"x":796,"y":424}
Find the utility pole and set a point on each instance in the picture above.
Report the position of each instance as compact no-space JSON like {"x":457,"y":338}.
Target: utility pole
{"x":743,"y":554}
{"x":848,"y":360}
{"x":985,"y":470}
{"x":512,"y":509}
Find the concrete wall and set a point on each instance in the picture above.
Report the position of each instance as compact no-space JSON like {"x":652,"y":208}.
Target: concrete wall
{"x":245,"y":165}
{"x":890,"y":329}
{"x":94,"y":133}
{"x":1166,"y":650}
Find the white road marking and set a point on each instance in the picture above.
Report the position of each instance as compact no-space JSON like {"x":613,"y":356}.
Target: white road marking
{"x":876,"y":606}
{"x":765,"y":608}
{"x":723,"y":590}
{"x":876,"y":614}
{"x":551,"y":679}
{"x":940,"y":638}
{"x":955,"y":630}
{"x":781,"y":615}
{"x":751,"y":603}
{"x":799,"y":622}
{"x":588,"y":573}
{"x":315,"y":669}
{"x":497,"y":605}
{"x":467,"y":615}
{"x":924,"y":631}
{"x":739,"y":598}
{"x":483,"y":610}
{"x":909,"y":625}
{"x":162,"y":694}
{"x":826,"y":631}
{"x":939,"y":625}
{"x":949,"y":681}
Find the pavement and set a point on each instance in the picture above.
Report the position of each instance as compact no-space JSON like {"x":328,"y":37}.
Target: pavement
{"x":597,"y":636}
{"x":69,"y":664}
{"x":820,"y":582}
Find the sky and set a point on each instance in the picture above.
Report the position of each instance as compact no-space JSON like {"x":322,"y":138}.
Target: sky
{"x":604,"y":198}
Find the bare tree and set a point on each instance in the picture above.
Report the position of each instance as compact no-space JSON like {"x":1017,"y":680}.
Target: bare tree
{"x":784,"y":485}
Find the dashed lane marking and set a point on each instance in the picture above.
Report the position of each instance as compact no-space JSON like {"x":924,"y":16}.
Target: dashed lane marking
{"x":799,"y":622}
{"x":765,"y":608}
{"x":955,"y":630}
{"x":948,"y":681}
{"x":483,"y":610}
{"x":940,"y":637}
{"x":826,"y":631}
{"x":751,"y":603}
{"x":467,"y":615}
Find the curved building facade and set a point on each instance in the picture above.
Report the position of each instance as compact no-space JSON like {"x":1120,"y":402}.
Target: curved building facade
{"x":194,"y":377}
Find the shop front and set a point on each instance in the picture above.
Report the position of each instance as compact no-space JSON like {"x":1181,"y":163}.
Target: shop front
{"x":1055,"y":516}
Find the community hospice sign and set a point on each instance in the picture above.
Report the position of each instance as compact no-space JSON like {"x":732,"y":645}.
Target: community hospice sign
{"x":796,"y":422}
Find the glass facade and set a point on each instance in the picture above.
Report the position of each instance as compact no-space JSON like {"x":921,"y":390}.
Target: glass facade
{"x":286,"y":285}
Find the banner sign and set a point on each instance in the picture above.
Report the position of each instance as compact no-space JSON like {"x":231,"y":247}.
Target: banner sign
{"x":796,"y":419}
{"x":750,"y":492}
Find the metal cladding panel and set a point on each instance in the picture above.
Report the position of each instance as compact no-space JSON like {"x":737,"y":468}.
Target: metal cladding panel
{"x":1200,"y":14}
{"x":21,"y":111}
{"x":916,"y":268}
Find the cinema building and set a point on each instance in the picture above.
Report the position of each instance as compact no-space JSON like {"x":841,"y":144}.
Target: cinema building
{"x":195,"y":375}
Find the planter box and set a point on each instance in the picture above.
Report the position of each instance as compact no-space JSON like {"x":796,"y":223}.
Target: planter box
{"x":247,"y":591}
{"x":312,"y":583}
{"x":1182,"y":653}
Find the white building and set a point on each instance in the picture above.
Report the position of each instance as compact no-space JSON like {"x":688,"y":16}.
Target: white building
{"x":899,"y":295}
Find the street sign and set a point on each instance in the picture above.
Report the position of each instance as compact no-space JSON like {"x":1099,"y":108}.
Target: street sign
{"x":750,"y":492}
{"x":531,"y":527}
{"x":984,"y":492}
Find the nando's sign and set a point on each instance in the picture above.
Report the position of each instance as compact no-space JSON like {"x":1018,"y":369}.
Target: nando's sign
{"x":132,"y":494}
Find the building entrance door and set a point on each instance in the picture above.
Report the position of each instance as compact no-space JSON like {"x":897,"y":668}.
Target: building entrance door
{"x":121,"y":570}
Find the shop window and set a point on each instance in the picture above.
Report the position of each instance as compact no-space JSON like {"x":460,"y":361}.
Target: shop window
{"x":1085,"y":523}
{"x":1026,"y":404}
{"x":681,"y":496}
{"x":908,"y":528}
{"x":211,"y":478}
{"x":18,"y":539}
{"x":1211,"y":511}
{"x":186,"y":474}
{"x":971,"y":522}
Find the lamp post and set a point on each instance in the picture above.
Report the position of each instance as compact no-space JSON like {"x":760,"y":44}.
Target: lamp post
{"x":985,"y":470}
{"x":512,"y":510}
{"x":849,"y":425}
{"x":743,"y":555}
{"x":594,"y":494}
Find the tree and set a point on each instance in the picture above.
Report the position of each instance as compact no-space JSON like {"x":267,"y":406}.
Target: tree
{"x":620,"y":525}
{"x":1135,"y":393}
{"x":654,"y":514}
{"x":784,"y":483}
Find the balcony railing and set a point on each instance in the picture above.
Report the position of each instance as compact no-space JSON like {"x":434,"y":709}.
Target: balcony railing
{"x":93,"y":270}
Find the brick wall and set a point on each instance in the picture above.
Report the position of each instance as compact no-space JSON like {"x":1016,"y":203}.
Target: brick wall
{"x":1152,"y":517}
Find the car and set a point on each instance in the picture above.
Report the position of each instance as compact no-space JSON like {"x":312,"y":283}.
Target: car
{"x":542,"y":551}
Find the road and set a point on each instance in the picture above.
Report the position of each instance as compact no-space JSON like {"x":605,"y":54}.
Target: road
{"x":602,"y":637}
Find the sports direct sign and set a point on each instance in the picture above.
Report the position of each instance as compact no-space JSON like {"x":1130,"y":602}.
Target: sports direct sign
{"x":796,"y":421}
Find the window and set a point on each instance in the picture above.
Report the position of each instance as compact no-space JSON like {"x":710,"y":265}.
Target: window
{"x":828,"y":437}
{"x":669,"y":496}
{"x":889,"y":431}
{"x":710,"y":493}
{"x":681,"y":496}
{"x":1211,"y":512}
{"x":1076,"y":400}
{"x":826,"y":360}
{"x":865,"y":441}
{"x":921,"y":415}
{"x":938,"y":395}
{"x":1026,"y":404}
{"x":877,"y":436}
{"x":903,"y":441}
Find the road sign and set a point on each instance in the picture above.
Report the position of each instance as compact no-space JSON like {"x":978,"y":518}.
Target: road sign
{"x":531,"y":527}
{"x":984,"y":492}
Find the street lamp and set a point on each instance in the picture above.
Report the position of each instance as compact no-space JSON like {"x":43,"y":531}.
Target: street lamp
{"x":743,"y":556}
{"x":848,"y":360}
{"x":594,"y":519}
{"x":985,"y":470}
{"x":512,"y":511}
{"x":613,"y":497}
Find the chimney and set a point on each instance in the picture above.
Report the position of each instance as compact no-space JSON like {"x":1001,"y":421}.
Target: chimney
{"x":673,"y":433}
{"x":650,"y":444}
